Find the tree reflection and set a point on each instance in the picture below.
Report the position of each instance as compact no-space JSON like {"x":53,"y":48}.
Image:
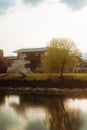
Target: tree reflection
{"x":58,"y":117}
{"x":62,"y":118}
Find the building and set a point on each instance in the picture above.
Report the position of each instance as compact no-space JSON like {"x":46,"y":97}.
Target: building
{"x":9,"y":60}
{"x":33,"y":57}
{"x":81,"y":67}
{"x":1,"y":54}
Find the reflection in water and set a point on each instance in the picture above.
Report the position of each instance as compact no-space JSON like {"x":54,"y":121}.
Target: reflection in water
{"x":35,"y":113}
{"x":79,"y":105}
{"x":7,"y":119}
{"x":63,"y":118}
{"x":11,"y":99}
{"x":37,"y":125}
{"x":41,"y":113}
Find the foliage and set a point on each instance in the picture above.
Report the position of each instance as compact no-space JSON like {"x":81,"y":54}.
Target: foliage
{"x":62,"y":55}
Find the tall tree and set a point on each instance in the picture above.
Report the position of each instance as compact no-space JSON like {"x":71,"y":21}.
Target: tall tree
{"x":61,"y":53}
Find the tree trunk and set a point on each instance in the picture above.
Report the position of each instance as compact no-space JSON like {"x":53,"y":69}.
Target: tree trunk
{"x":61,"y":72}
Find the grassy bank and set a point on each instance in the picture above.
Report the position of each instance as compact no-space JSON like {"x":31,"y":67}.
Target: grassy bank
{"x":44,"y":80}
{"x":44,"y":76}
{"x":47,"y":84}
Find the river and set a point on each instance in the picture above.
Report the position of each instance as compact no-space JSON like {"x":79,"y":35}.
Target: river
{"x":33,"y":112}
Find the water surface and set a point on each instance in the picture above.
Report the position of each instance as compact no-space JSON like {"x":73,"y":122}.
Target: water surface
{"x":27,"y":112}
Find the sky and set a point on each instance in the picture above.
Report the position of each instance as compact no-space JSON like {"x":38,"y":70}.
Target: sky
{"x":33,"y":23}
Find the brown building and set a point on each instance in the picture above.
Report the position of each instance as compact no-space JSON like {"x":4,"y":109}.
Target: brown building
{"x":1,"y":54}
{"x":33,"y":58}
{"x":9,"y":60}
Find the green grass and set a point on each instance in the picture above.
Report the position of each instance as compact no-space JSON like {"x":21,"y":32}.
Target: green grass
{"x":44,"y":76}
{"x":81,"y":76}
{"x":33,"y":76}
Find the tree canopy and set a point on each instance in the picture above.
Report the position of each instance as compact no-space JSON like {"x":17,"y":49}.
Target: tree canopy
{"x":62,"y":54}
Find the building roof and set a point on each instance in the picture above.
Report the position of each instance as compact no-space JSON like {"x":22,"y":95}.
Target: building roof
{"x":30,"y":50}
{"x":10,"y":57}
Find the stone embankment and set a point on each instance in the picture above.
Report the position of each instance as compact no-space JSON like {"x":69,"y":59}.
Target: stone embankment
{"x":48,"y":87}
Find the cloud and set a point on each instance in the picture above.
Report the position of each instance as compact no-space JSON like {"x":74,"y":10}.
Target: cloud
{"x":75,"y":4}
{"x":32,"y":2}
{"x":5,"y":4}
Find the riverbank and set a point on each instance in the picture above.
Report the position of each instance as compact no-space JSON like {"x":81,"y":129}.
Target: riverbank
{"x":60,"y":83}
{"x":43,"y":84}
{"x":64,"y":83}
{"x":48,"y":87}
{"x":61,"y":92}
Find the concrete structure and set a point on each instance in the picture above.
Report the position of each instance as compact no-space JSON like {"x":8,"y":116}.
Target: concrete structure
{"x":33,"y":57}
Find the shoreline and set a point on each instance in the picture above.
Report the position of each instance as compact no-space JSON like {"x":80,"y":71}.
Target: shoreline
{"x":65,"y":92}
{"x":44,"y":87}
{"x":65,"y":83}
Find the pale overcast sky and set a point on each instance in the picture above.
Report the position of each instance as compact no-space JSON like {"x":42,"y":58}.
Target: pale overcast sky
{"x":33,"y":23}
